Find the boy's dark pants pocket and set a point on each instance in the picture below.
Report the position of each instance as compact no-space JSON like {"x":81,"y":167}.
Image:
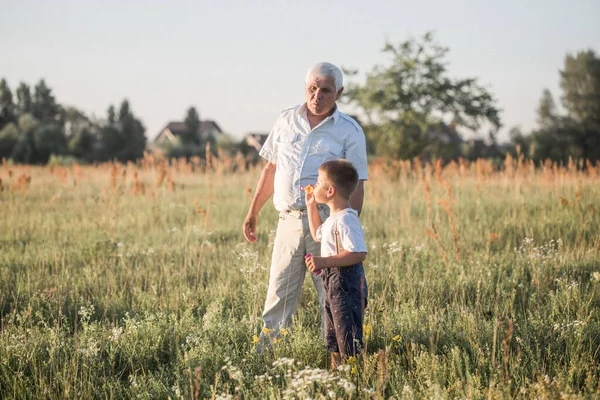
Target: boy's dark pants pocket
{"x":346,"y":295}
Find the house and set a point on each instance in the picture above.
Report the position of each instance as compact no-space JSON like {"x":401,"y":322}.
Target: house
{"x":170,"y":133}
{"x":256,"y":139}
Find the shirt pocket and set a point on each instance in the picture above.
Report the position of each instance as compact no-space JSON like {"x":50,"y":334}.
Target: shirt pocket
{"x":327,"y":148}
{"x":287,"y":147}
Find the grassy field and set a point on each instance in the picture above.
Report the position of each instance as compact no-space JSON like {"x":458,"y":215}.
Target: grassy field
{"x":136,"y":282}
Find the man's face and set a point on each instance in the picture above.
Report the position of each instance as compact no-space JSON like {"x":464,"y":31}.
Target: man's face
{"x":321,"y":95}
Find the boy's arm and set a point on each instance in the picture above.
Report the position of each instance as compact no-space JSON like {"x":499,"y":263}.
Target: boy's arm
{"x":344,"y":259}
{"x":314,"y":219}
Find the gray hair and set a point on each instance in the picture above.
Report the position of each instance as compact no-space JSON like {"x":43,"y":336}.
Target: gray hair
{"x":324,"y":70}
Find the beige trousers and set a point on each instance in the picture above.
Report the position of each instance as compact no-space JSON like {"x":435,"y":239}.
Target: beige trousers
{"x":286,"y":277}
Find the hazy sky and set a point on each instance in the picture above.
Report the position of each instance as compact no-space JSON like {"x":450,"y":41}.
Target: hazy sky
{"x":241,"y":62}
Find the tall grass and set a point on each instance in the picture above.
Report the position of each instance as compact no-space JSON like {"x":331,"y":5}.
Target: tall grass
{"x":121,"y":281}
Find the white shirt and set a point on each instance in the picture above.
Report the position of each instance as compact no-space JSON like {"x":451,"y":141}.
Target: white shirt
{"x":299,"y":151}
{"x":351,"y":236}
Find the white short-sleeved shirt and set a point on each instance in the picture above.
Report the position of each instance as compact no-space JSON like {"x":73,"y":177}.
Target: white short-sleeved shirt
{"x":299,"y":151}
{"x":351,"y":236}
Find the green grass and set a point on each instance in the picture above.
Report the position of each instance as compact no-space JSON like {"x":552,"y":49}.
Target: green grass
{"x":108,"y":295}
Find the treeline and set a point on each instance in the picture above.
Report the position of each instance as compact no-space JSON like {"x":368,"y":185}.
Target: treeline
{"x":409,"y":108}
{"x":412,"y":108}
{"x":574,"y":132}
{"x":35,"y":127}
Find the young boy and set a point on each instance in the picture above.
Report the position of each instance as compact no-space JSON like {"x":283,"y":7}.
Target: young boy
{"x":343,"y":250}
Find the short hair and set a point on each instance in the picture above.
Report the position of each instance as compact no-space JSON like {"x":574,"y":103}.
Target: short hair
{"x":325,"y":69}
{"x":342,"y":175}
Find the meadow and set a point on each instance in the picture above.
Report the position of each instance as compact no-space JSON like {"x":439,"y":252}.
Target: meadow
{"x":135,"y":281}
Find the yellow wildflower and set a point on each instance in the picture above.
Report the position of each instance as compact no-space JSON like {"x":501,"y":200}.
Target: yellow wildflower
{"x":266,"y":330}
{"x":284,"y":331}
{"x":351,"y":360}
{"x":367,"y":329}
{"x":397,"y":338}
{"x":255,"y":339}
{"x":354,"y":371}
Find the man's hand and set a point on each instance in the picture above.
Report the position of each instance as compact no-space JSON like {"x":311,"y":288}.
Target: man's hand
{"x":249,"y":228}
{"x":314,"y":264}
{"x":264,"y":190}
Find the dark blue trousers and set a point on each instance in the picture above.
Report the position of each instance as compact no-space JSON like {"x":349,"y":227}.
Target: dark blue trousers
{"x":346,"y":295}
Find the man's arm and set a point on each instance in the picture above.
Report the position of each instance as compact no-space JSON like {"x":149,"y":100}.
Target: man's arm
{"x":357,"y":198}
{"x":264,"y":190}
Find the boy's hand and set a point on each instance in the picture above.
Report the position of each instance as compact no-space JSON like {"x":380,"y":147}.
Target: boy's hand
{"x":309,"y":196}
{"x":314,"y":264}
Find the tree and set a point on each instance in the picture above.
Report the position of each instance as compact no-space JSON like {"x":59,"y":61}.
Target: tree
{"x":44,"y":106}
{"x":9,"y":136}
{"x":48,"y":139}
{"x":403,"y":100}
{"x":24,"y":101}
{"x":192,"y":128}
{"x":576,"y":134}
{"x":554,"y":137}
{"x":519,"y":140}
{"x":547,"y":114}
{"x":79,"y":131}
{"x":123,"y":138}
{"x":580,"y":83}
{"x":7,"y":107}
{"x":24,"y":149}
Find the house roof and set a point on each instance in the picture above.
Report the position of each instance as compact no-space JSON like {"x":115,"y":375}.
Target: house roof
{"x":177,"y":128}
{"x":256,"y":139}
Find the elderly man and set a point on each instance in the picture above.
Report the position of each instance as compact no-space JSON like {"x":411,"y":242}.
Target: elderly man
{"x":302,"y":138}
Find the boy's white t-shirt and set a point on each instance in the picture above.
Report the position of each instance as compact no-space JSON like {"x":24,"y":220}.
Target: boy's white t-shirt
{"x":351,"y":236}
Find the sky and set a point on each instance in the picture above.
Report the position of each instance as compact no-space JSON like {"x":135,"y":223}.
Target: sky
{"x":241,"y":62}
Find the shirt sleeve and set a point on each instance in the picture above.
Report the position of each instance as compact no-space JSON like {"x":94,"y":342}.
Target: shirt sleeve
{"x":351,"y":235}
{"x":319,"y":233}
{"x":268,"y":151}
{"x":356,"y":153}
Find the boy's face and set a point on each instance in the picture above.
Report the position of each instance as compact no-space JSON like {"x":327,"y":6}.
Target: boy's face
{"x":321,"y":188}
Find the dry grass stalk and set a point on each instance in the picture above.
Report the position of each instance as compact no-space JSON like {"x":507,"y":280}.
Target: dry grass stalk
{"x":207,"y":215}
{"x":427,"y":194}
{"x":438,"y":171}
{"x":170,"y":184}
{"x":138,"y":187}
{"x":162,"y":173}
{"x":208,"y":157}
{"x":22,"y":184}
{"x":434,"y":235}
{"x":506,"y":349}
{"x":383,"y":375}
{"x":113,"y":177}
{"x":198,"y":209}
{"x":448,"y":206}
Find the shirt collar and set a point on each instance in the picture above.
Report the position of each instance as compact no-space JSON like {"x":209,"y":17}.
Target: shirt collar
{"x":335,"y":116}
